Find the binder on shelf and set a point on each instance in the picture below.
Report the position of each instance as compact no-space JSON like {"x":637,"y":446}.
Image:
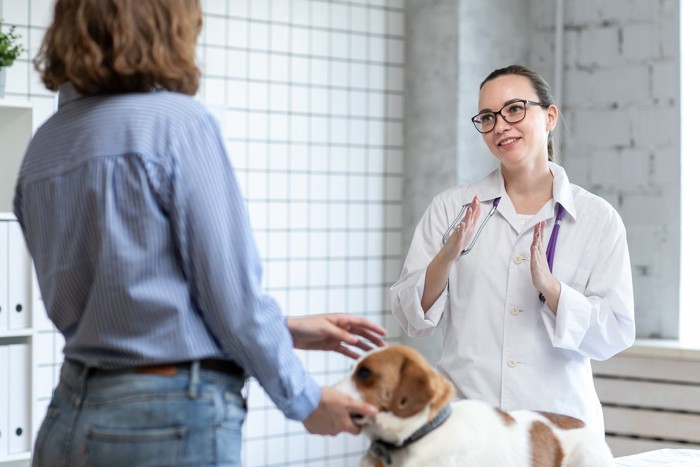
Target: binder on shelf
{"x":4,"y":280}
{"x":40,"y":319}
{"x":5,"y":378}
{"x":19,"y":279}
{"x":18,"y":413}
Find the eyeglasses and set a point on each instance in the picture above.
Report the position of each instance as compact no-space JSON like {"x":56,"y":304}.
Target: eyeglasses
{"x":512,"y":112}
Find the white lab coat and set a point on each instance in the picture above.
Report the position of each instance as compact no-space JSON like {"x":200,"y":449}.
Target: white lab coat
{"x":501,"y":344}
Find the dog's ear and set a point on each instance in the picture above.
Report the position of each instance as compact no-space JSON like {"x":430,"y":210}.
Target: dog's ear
{"x":414,"y":391}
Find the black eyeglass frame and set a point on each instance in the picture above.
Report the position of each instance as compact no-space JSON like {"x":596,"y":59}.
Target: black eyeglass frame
{"x":524,"y":101}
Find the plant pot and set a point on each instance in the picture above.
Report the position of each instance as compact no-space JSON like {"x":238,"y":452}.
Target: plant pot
{"x":3,"y":75}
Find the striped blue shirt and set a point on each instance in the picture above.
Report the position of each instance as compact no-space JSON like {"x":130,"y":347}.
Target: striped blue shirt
{"x":142,"y":245}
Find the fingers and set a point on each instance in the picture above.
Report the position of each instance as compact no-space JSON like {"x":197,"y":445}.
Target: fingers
{"x":477,"y":209}
{"x":537,"y":236}
{"x":333,"y":414}
{"x":361,"y":408}
{"x":370,"y":336}
{"x":473,"y":211}
{"x":362,"y":327}
{"x":352,"y":428}
{"x":341,"y":349}
{"x":360,"y":324}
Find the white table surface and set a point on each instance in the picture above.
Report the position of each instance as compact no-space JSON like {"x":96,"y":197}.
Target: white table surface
{"x":662,"y":457}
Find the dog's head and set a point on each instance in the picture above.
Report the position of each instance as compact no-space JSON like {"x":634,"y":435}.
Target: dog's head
{"x":407,"y":390}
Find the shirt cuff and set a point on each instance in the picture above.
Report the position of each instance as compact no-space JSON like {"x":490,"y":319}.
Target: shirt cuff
{"x":302,"y":405}
{"x":410,"y":297}
{"x":568,"y":328}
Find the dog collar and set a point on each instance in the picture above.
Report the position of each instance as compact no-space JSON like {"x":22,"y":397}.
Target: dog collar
{"x":381,"y":450}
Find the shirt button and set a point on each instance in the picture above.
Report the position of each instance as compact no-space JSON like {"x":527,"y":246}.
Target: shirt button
{"x":511,"y":363}
{"x":517,"y":259}
{"x":514,"y":310}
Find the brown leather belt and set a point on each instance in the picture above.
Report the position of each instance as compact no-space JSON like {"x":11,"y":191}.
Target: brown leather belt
{"x":170,"y":369}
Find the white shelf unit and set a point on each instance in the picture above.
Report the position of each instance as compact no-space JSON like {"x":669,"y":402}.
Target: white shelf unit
{"x":29,"y":346}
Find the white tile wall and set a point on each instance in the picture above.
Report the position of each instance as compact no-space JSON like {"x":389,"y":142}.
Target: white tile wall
{"x":314,"y":120}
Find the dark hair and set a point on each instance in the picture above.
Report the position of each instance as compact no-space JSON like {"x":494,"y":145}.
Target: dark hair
{"x":544,"y":93}
{"x":114,"y":46}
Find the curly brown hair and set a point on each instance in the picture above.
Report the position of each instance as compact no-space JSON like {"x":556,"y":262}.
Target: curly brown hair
{"x":116,"y":46}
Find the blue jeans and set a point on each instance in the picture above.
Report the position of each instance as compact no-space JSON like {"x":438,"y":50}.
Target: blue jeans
{"x":127,"y":419}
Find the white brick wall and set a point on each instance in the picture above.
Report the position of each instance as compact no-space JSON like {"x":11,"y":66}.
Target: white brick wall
{"x":621,"y":131}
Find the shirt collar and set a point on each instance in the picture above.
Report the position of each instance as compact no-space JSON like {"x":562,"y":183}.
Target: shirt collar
{"x":494,"y":187}
{"x":67,"y":94}
{"x":562,"y":189}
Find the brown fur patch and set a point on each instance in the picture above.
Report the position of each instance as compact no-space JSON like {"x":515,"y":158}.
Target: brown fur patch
{"x":398,"y":379}
{"x":505,"y":416}
{"x":546,"y":450}
{"x":563,"y":422}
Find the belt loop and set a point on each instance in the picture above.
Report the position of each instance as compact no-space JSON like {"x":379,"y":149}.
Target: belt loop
{"x":194,"y":379}
{"x":85,"y":372}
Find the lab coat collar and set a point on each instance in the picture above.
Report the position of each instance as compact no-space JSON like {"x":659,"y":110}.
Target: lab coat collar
{"x":493,"y":187}
{"x":562,"y":189}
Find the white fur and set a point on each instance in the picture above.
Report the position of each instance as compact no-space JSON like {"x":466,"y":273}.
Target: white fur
{"x":476,"y":435}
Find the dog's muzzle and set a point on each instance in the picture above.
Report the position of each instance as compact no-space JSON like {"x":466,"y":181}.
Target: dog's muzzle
{"x":359,"y":420}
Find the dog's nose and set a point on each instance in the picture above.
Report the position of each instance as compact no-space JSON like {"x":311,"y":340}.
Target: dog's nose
{"x":358,"y":419}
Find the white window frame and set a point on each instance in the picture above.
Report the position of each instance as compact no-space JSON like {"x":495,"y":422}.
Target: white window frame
{"x":689,"y":318}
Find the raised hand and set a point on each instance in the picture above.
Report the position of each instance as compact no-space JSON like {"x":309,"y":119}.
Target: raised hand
{"x":542,"y":278}
{"x":439,"y":268}
{"x":462,"y":234}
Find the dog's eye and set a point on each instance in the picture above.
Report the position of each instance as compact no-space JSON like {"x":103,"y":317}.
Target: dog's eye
{"x":363,"y":373}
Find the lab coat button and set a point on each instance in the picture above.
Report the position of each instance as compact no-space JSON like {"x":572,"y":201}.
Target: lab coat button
{"x":517,"y":259}
{"x":511,"y":363}
{"x":514,"y":310}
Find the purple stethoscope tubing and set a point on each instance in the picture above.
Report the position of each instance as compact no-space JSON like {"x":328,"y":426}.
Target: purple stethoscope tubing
{"x":553,"y":238}
{"x":552,"y":244}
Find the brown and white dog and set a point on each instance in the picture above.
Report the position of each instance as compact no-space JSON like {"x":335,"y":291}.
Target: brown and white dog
{"x":418,"y":425}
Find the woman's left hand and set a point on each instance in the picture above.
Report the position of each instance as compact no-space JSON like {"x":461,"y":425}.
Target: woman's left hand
{"x":334,"y":332}
{"x":542,"y":278}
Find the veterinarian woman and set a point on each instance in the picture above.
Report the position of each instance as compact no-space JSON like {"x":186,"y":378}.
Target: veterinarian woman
{"x":529,"y":282}
{"x":145,"y":257}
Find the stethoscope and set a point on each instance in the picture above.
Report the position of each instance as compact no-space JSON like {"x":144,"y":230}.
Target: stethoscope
{"x":551,"y":245}
{"x":458,"y":219}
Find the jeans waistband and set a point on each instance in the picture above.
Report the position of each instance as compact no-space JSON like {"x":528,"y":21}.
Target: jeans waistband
{"x":76,"y":376}
{"x":170,"y":369}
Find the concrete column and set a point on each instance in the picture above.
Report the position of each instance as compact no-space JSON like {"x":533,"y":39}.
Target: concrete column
{"x":451,"y":45}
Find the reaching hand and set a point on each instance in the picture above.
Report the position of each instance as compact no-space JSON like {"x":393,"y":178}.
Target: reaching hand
{"x":334,"y":332}
{"x":462,"y":234}
{"x":542,"y":278}
{"x":332,"y":416}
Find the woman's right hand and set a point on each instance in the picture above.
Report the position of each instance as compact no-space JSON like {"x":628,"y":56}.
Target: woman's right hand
{"x":462,"y":234}
{"x":439,"y":268}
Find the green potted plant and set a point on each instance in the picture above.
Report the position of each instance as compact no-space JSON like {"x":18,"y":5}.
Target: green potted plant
{"x":10,"y":49}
